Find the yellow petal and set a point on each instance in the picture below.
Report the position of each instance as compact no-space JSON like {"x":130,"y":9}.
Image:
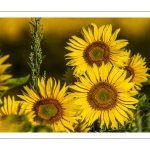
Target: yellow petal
{"x":95,"y":116}
{"x":9,"y":105}
{"x":42,"y":88}
{"x":102,"y":119}
{"x":81,"y":85}
{"x":100,"y":32}
{"x":76,"y":47}
{"x":67,"y":124}
{"x":127,"y":102}
{"x":48,"y":88}
{"x":127,"y":99}
{"x":114,"y":36}
{"x":92,"y":75}
{"x":5,"y":77}
{"x":118,"y":116}
{"x":95,"y":31}
{"x":106,"y":118}
{"x":104,"y":36}
{"x":5,"y":105}
{"x":62,"y":92}
{"x":85,"y":82}
{"x":122,"y":112}
{"x":86,"y":35}
{"x":56,"y":92}
{"x":107,"y":33}
{"x":73,"y":49}
{"x":91,"y":34}
{"x":2,"y":59}
{"x":97,"y":73}
{"x":4,"y":67}
{"x":114,"y":123}
{"x":81,"y":41}
{"x":76,"y":44}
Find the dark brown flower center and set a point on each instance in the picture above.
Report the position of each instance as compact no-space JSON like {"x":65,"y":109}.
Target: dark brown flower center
{"x":49,"y":111}
{"x":97,"y":53}
{"x":102,"y":96}
{"x":130,"y":72}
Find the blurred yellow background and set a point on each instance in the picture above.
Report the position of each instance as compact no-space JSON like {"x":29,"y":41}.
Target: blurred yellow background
{"x":15,"y":40}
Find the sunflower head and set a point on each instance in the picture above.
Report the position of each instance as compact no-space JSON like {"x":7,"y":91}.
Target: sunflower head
{"x":136,"y":66}
{"x":51,"y":106}
{"x":105,"y":93}
{"x":3,"y":75}
{"x":99,"y":45}
{"x":12,"y":107}
{"x":13,"y":118}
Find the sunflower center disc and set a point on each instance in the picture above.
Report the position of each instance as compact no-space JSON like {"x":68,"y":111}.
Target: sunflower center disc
{"x":102,"y":96}
{"x":97,"y":52}
{"x":48,"y":110}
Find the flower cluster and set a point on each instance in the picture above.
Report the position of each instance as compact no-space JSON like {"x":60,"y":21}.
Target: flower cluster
{"x":109,"y":77}
{"x":101,"y":84}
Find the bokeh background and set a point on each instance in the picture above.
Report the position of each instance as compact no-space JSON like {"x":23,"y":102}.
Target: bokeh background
{"x":15,"y":40}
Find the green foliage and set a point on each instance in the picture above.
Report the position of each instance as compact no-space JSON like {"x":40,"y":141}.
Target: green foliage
{"x":35,"y":56}
{"x":126,"y":128}
{"x":142,"y":113}
{"x":42,"y":128}
{"x":13,"y":82}
{"x":15,"y":123}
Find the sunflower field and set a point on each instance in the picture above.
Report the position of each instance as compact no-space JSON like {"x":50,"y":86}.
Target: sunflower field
{"x":74,"y":75}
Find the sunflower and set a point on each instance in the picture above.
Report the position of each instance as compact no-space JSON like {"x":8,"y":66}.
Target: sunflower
{"x":13,"y":116}
{"x":136,"y":66}
{"x":4,"y":77}
{"x":98,"y":45}
{"x":12,"y":107}
{"x":105,"y":95}
{"x":52,"y":106}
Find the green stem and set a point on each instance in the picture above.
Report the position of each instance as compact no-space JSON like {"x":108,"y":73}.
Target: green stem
{"x":35,"y":56}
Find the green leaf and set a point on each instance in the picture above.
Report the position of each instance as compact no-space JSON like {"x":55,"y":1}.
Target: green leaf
{"x":13,"y":82}
{"x":142,"y":99}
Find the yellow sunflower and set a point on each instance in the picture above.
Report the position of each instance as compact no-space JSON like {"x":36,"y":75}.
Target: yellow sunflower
{"x":51,"y":106}
{"x":136,"y":66}
{"x":98,"y":45}
{"x":3,"y":76}
{"x":12,"y":107}
{"x":9,"y":115}
{"x":105,"y":94}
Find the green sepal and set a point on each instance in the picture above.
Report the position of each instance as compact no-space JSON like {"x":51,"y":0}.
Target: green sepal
{"x":13,"y":82}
